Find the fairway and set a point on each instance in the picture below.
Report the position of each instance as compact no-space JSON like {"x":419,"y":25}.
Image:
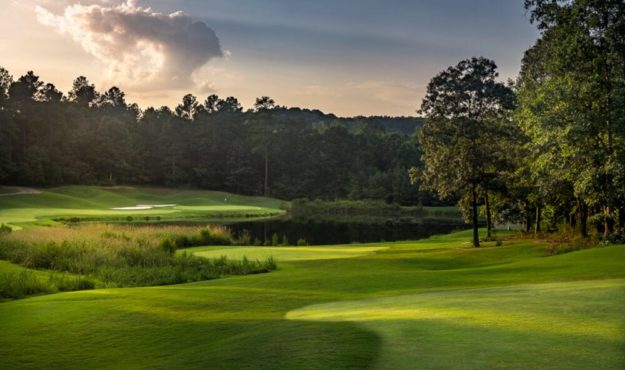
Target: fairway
{"x":431,"y":304}
{"x":89,"y":203}
{"x":285,"y":253}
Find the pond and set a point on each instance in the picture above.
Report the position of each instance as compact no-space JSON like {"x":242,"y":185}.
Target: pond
{"x":320,"y":232}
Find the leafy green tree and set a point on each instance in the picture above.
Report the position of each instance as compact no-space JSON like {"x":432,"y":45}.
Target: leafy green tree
{"x":572,"y":99}
{"x":464,"y":108}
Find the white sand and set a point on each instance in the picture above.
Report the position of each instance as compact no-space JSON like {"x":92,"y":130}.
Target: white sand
{"x":140,"y":207}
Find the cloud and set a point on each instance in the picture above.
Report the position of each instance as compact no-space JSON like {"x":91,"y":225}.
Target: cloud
{"x":141,"y":48}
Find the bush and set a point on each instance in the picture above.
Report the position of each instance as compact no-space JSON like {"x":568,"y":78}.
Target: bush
{"x":5,"y":229}
{"x":274,"y":240}
{"x":168,"y":245}
{"x":285,"y":241}
{"x":245,"y":238}
{"x":302,"y":242}
{"x":145,"y":256}
{"x":21,"y":284}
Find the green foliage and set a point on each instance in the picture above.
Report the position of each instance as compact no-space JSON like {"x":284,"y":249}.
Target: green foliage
{"x":571,"y":93}
{"x":21,"y":284}
{"x":5,"y":229}
{"x":99,"y":138}
{"x":123,"y":256}
{"x":463,"y":141}
{"x":275,"y":240}
{"x":302,"y":242}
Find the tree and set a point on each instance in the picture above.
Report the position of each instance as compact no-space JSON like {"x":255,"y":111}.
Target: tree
{"x":26,"y":87}
{"x":5,"y":82}
{"x":464,"y":108}
{"x":572,"y":99}
{"x":229,"y":105}
{"x":210,"y":104}
{"x":114,"y":98}
{"x":49,"y":93}
{"x":83,"y":93}
{"x":189,"y":108}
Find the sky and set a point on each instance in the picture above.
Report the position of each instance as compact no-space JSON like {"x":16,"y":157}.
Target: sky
{"x":347,"y":57}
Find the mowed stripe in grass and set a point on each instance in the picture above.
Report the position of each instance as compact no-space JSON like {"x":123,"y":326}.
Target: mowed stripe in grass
{"x":478,"y":308}
{"x":573,"y":325}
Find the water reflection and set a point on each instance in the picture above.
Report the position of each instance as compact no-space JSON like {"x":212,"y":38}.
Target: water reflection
{"x":318,"y":232}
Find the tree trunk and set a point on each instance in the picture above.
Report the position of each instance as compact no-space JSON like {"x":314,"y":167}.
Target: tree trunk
{"x":528,"y":217}
{"x":537,"y":221}
{"x":489,"y":224}
{"x":583,"y":218}
{"x":607,"y":223}
{"x":266,"y":188}
{"x":476,"y":238}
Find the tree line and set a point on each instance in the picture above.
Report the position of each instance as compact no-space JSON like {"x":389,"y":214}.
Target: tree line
{"x":48,"y":138}
{"x":548,"y":149}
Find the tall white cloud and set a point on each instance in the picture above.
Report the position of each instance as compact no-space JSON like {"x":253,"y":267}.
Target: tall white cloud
{"x":141,"y":48}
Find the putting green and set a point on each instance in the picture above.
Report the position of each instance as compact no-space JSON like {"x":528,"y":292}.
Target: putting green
{"x":92,"y":203}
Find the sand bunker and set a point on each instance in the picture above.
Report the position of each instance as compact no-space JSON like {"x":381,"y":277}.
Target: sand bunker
{"x":140,"y":207}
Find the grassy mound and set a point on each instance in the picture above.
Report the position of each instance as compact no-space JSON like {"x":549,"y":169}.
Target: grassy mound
{"x":429,"y":304}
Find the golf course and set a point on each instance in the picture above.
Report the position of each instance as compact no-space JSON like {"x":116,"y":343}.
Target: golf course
{"x":28,"y":207}
{"x":436,"y":303}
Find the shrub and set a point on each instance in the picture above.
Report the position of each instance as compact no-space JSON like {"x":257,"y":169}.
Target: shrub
{"x":64,"y":283}
{"x":302,"y":242}
{"x":245,"y":238}
{"x":168,"y":245}
{"x":274,"y":240}
{"x":498,"y":243}
{"x":5,"y":229}
{"x":21,"y":284}
{"x":285,"y":240}
{"x":144,"y":256}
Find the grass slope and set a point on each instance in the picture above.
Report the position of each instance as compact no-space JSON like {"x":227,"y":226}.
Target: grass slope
{"x":432,"y":304}
{"x":95,"y":203}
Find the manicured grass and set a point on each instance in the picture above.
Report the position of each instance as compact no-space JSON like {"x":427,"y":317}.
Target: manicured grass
{"x":284,"y":253}
{"x":432,"y":304}
{"x":90,"y":203}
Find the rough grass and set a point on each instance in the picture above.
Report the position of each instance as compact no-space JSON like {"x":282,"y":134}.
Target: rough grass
{"x":433,"y":304}
{"x":90,"y":203}
{"x":19,"y":282}
{"x":124,"y":255}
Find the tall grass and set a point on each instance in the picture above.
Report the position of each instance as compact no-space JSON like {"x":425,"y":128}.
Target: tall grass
{"x":19,"y":284}
{"x":124,"y":255}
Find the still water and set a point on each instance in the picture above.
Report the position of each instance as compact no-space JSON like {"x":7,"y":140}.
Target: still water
{"x":319,"y":232}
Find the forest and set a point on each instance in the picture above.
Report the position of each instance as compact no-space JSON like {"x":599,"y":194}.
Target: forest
{"x":88,"y":137}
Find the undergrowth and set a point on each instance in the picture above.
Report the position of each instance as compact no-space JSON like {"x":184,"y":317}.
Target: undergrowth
{"x":120,"y":256}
